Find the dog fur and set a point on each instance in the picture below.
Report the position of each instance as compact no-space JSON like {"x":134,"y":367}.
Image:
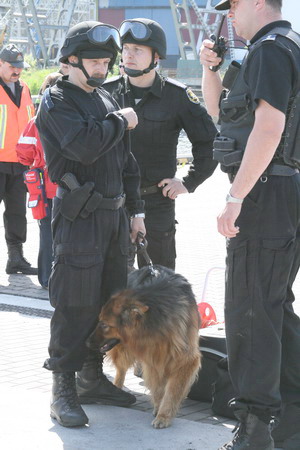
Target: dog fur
{"x":154,"y":321}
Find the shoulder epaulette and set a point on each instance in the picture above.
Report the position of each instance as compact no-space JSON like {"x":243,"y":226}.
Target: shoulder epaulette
{"x":175,"y":83}
{"x":47,"y":100}
{"x":280,"y":31}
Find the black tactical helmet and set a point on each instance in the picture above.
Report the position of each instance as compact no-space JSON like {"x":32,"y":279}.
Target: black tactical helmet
{"x":144,"y":32}
{"x":223,"y":5}
{"x":91,"y":39}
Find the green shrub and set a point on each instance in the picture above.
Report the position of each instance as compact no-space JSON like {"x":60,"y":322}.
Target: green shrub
{"x":34,"y":77}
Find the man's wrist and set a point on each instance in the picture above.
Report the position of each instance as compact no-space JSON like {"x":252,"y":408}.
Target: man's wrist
{"x":231,"y":199}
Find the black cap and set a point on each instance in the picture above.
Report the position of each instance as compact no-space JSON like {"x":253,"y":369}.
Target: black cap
{"x":223,"y":5}
{"x":13,"y":56}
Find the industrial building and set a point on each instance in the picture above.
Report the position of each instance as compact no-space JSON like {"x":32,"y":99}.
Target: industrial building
{"x":181,"y":21}
{"x":39,"y":26}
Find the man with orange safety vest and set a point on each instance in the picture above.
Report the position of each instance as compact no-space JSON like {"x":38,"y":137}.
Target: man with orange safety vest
{"x":16,"y":109}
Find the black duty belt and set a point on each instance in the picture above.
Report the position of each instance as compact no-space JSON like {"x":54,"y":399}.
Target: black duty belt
{"x":273,"y":169}
{"x":281,"y":170}
{"x":146,"y":190}
{"x":106,"y":203}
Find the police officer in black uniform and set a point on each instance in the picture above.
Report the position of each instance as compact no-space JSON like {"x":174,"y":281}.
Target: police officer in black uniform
{"x":86,"y":146}
{"x":164,"y":107}
{"x":257,"y":147}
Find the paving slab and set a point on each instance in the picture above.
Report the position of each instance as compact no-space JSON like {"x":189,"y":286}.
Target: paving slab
{"x":28,"y":426}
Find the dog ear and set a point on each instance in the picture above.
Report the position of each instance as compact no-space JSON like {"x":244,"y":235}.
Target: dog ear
{"x":140,"y":309}
{"x":133,"y":313}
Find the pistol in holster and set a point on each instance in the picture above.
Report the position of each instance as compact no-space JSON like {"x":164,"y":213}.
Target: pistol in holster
{"x":80,"y":200}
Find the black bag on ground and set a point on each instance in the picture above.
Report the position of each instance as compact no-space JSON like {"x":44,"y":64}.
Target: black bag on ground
{"x":222,"y":391}
{"x":213,"y":384}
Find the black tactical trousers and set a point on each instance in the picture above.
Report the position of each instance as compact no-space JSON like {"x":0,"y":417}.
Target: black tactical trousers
{"x":90,"y":263}
{"x":13,"y":193}
{"x":263,"y":332}
{"x":160,"y":229}
{"x":45,"y":256}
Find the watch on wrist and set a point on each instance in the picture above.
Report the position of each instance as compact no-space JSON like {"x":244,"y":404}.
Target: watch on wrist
{"x":231,"y":199}
{"x":142,"y":215}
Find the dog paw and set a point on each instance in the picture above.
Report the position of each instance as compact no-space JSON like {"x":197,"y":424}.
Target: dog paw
{"x":161,"y":422}
{"x":154,"y":412}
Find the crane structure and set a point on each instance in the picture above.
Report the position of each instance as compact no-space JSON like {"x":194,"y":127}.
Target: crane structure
{"x":40,"y":26}
{"x":206,"y":22}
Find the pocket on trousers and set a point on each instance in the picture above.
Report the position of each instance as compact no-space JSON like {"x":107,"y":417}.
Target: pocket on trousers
{"x":276,"y":260}
{"x":162,"y":249}
{"x":236,"y":271}
{"x":126,"y":249}
{"x":76,"y":280}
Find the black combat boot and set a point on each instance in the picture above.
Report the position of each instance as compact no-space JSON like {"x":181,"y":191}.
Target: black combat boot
{"x":16,"y":262}
{"x":251,"y":434}
{"x":94,"y":387}
{"x":287,"y":434}
{"x":65,"y":407}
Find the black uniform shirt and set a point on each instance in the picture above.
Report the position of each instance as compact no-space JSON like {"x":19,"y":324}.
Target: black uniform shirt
{"x":165,"y":109}
{"x":272,"y":70}
{"x":81,"y":133}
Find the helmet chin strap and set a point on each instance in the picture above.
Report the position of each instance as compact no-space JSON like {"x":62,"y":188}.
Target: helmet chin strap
{"x":138,"y":73}
{"x":91,"y":81}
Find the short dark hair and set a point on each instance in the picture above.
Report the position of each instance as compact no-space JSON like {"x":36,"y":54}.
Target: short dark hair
{"x":276,"y":4}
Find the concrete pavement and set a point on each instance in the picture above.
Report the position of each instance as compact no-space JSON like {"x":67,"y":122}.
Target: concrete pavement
{"x":25,"y":394}
{"x":24,"y":334}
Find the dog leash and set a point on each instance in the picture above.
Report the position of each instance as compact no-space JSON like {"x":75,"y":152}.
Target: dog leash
{"x":141,"y":248}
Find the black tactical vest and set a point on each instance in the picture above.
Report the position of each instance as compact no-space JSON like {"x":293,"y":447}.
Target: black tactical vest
{"x":237,"y":114}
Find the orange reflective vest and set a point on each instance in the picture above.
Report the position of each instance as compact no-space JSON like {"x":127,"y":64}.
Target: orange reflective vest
{"x":13,"y":120}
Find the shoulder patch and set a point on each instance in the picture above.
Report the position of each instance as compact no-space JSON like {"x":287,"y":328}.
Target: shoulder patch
{"x":270,"y":37}
{"x":47,"y":102}
{"x":175,"y":83}
{"x":192,"y":96}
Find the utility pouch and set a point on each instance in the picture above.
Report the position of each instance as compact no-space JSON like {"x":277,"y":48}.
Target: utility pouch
{"x":231,"y":74}
{"x":73,"y":201}
{"x":291,"y":135}
{"x":225,"y":153}
{"x":37,"y":201}
{"x":92,"y":204}
{"x":234,"y":109}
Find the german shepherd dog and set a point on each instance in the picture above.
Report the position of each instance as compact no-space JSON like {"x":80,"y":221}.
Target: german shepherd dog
{"x":154,"y":321}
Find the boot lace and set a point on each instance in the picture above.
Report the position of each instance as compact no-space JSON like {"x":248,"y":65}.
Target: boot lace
{"x":67,"y":390}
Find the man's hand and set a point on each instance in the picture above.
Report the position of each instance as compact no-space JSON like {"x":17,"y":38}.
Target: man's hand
{"x":172,"y":187}
{"x":227,"y":218}
{"x":207,"y":56}
{"x":137,"y":225}
{"x":211,"y":81}
{"x":130,"y":116}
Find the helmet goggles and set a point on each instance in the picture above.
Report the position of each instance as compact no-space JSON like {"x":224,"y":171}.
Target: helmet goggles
{"x":138,"y":30}
{"x":99,"y":35}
